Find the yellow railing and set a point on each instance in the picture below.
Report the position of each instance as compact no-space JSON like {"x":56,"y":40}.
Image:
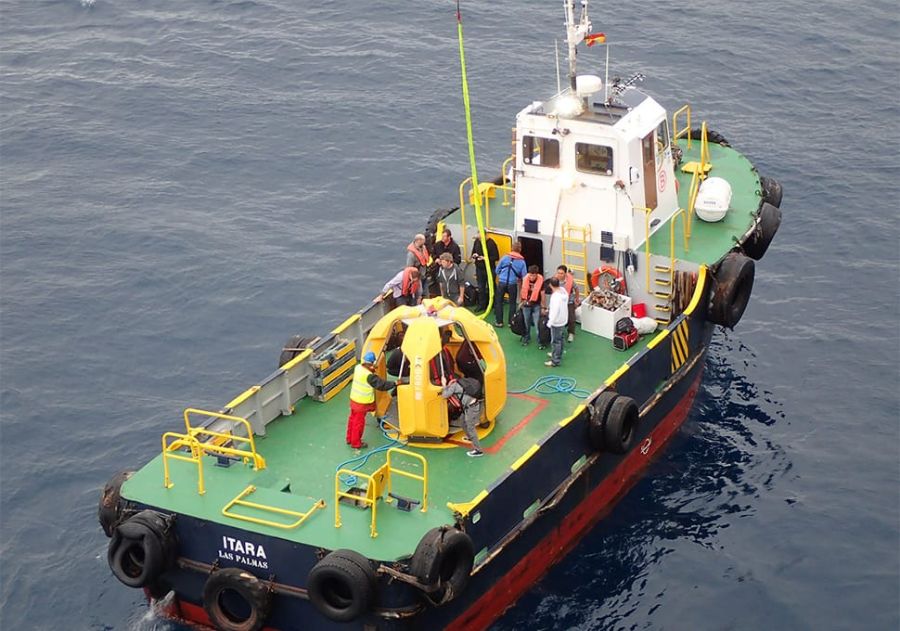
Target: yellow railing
{"x":376,"y":482}
{"x":168,"y":451}
{"x":220,"y":438}
{"x":686,"y":131}
{"x":373,"y":494}
{"x":214,"y":444}
{"x":462,"y":211}
{"x":684,"y":233}
{"x":647,"y":212}
{"x":241,"y":501}
{"x":406,"y":474}
{"x":504,"y":188}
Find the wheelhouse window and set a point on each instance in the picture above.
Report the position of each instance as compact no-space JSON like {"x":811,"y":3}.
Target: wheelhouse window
{"x":594,"y":158}
{"x":540,"y":152}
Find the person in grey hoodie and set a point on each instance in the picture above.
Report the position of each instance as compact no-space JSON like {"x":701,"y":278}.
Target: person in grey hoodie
{"x":471,"y":407}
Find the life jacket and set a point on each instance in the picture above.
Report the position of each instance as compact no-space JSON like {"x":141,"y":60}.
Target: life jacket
{"x":408,"y":286}
{"x":360,"y":389}
{"x":422,"y":254}
{"x":532,"y":291}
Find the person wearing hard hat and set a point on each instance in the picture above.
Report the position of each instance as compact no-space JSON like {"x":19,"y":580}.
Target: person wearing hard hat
{"x":362,"y":398}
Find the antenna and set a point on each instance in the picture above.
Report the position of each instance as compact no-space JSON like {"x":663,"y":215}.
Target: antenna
{"x":575,"y":33}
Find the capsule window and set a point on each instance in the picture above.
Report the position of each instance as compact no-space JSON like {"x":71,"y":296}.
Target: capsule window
{"x":594,"y":158}
{"x":540,"y":152}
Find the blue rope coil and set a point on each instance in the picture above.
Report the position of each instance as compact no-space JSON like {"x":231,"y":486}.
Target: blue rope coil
{"x":555,"y":384}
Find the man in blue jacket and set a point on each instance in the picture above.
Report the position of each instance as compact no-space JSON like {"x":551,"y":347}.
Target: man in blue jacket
{"x":510,"y":271}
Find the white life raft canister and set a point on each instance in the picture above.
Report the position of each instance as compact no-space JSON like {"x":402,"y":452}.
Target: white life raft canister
{"x":713,"y":199}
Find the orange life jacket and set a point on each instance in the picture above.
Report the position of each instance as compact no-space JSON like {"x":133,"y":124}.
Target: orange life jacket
{"x":533,"y":289}
{"x":422,"y":254}
{"x":408,"y":286}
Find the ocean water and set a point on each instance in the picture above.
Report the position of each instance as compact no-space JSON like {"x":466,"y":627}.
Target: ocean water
{"x":185,"y":185}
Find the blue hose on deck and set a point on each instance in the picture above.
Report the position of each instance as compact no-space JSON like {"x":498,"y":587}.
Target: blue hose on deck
{"x":362,"y":459}
{"x":554,"y":384}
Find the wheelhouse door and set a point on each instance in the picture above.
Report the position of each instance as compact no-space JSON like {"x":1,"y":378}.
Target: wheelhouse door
{"x":648,"y":151}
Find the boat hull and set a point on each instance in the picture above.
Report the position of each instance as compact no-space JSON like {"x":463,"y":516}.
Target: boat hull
{"x":518,"y":556}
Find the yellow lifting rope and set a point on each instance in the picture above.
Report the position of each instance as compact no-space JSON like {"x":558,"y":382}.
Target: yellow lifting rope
{"x":476,"y":197}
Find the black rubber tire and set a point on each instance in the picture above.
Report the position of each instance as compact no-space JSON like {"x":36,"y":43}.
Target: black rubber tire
{"x":734,"y":284}
{"x":444,"y":559}
{"x":711,"y":135}
{"x":296,"y":341}
{"x":767,"y":224}
{"x":621,"y":425}
{"x":771,"y":191}
{"x":431,"y":225}
{"x":112,"y":507}
{"x":141,"y":549}
{"x":599,"y":411}
{"x":342,"y":586}
{"x":236,"y":600}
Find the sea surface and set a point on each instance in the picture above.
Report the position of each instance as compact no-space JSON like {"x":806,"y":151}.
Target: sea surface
{"x":184,"y":185}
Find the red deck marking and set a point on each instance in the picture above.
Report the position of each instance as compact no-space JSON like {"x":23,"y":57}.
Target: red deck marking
{"x":561,"y":540}
{"x":540,"y":404}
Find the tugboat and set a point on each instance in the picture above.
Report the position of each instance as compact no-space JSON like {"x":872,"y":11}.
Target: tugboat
{"x":260,"y":514}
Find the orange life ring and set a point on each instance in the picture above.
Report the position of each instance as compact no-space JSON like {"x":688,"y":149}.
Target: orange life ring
{"x":604,"y":275}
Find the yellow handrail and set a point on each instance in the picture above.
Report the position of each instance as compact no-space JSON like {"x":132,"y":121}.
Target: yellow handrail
{"x":182,"y":440}
{"x":258,"y":461}
{"x":422,"y":478}
{"x":240,"y":501}
{"x":462,"y":213}
{"x":375,"y":486}
{"x":647,"y":212}
{"x":672,"y":238}
{"x":371,"y":497}
{"x":678,"y":133}
{"x":503,"y":179}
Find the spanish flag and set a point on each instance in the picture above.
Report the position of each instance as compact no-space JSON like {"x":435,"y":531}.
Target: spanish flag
{"x":595,"y":38}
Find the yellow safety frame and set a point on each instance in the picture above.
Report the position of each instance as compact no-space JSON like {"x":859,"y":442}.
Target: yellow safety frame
{"x":376,"y":481}
{"x":686,"y":131}
{"x":240,"y":500}
{"x":191,"y":439}
{"x":406,"y":474}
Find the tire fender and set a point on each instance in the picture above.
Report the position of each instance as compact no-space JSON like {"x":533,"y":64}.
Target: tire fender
{"x":768,"y":221}
{"x":771,"y":191}
{"x":443,"y":560}
{"x":621,"y":425}
{"x":287,"y":352}
{"x":236,"y":600}
{"x":342,"y":586}
{"x":111,"y":510}
{"x":597,"y":423}
{"x":733,"y":286}
{"x":141,"y":549}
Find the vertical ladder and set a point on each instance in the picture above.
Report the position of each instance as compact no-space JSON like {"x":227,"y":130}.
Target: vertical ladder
{"x":574,"y":253}
{"x":663,"y":286}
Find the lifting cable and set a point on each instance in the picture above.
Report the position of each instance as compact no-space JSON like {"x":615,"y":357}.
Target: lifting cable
{"x":476,"y":193}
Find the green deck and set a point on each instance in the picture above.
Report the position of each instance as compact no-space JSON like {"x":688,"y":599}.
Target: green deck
{"x":306,"y":447}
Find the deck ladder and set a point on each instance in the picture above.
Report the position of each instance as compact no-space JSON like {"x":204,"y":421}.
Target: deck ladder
{"x":575,"y":241}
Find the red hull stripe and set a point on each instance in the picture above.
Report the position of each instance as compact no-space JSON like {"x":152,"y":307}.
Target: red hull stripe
{"x":558,"y":543}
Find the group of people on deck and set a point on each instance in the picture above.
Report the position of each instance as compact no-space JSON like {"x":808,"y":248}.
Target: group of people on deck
{"x":528,"y":290}
{"x":520,"y":285}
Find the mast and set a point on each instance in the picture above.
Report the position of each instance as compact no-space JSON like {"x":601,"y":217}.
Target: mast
{"x":575,"y":33}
